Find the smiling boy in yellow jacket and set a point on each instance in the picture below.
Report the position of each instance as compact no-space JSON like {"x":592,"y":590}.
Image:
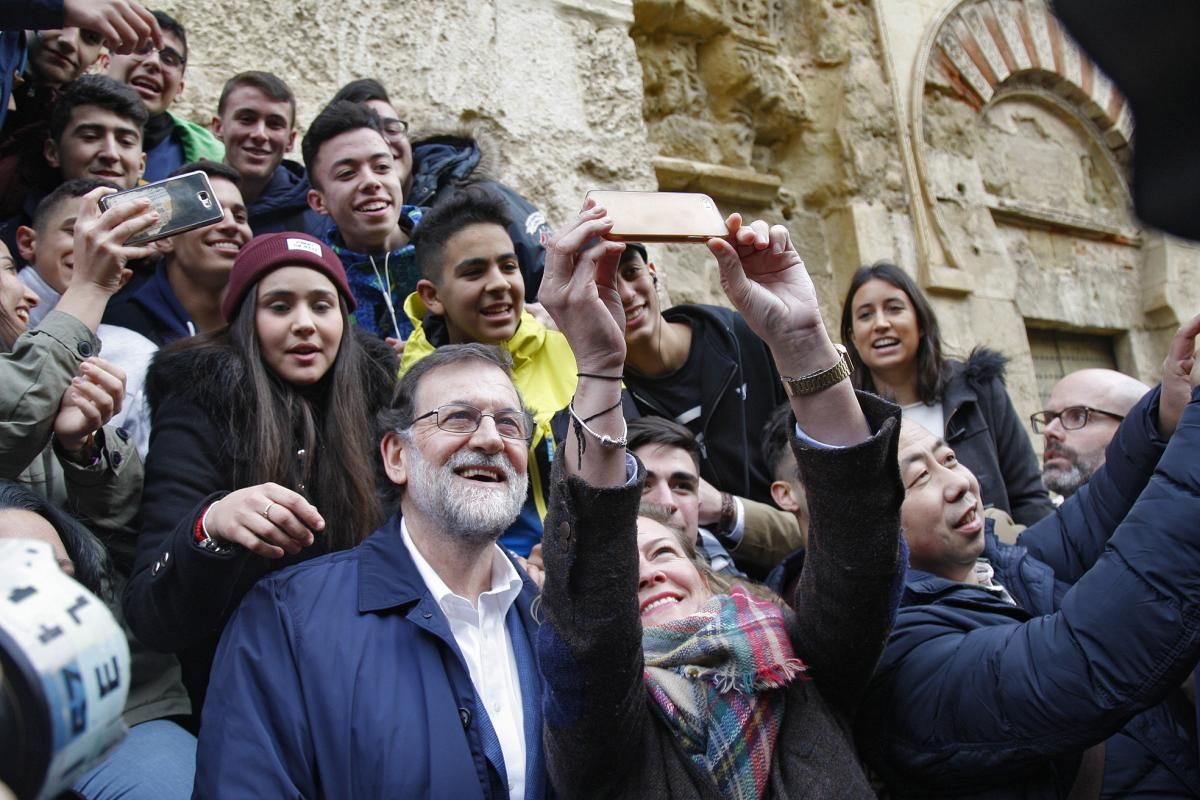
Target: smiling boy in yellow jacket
{"x":471,"y":290}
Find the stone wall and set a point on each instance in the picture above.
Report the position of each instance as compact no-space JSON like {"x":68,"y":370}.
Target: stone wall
{"x":553,"y":87}
{"x":967,"y":140}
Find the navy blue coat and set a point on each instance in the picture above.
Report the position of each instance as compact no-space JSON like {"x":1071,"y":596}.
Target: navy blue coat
{"x":976,"y":697}
{"x":340,"y":678}
{"x":283,"y":204}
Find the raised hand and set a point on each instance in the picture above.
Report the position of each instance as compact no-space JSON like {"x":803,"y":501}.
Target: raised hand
{"x":765,"y":279}
{"x":578,"y":291}
{"x":267,"y":519}
{"x":101,"y":254}
{"x":100,"y":250}
{"x":125,"y":25}
{"x":1180,"y":374}
{"x":92,"y":399}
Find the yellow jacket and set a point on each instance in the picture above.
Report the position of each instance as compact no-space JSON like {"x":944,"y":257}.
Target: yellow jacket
{"x":543,"y":371}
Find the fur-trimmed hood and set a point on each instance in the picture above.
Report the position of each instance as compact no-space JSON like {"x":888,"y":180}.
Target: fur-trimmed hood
{"x":984,"y":364}
{"x":450,"y":156}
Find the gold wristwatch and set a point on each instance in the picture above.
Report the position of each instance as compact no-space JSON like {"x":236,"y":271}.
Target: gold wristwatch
{"x":820,"y":380}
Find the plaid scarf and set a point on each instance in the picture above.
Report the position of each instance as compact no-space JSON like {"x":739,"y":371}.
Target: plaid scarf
{"x":715,"y":678}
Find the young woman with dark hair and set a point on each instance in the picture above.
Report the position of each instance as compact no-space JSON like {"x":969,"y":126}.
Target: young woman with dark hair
{"x":261,"y":454}
{"x":895,"y":347}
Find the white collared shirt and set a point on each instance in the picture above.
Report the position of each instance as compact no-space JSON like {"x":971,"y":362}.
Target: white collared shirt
{"x":482,"y":637}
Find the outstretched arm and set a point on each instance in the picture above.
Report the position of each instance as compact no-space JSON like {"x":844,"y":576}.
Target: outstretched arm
{"x":590,"y":645}
{"x":578,"y":292}
{"x":765,"y":279}
{"x":1071,"y":540}
{"x":966,"y":696}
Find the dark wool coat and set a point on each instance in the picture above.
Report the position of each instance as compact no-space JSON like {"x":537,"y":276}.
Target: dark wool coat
{"x":603,"y":739}
{"x":179,"y":595}
{"x":990,"y":439}
{"x":975,"y":697}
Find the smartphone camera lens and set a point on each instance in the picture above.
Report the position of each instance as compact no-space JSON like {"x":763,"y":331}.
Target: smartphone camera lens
{"x":204,"y":199}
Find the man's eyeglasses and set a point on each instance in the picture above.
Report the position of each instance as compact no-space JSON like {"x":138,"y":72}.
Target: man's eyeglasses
{"x":169,"y":57}
{"x":457,"y":418}
{"x":394,"y":127}
{"x":1072,"y":418}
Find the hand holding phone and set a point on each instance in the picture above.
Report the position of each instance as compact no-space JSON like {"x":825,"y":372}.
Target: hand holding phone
{"x":183,"y":203}
{"x":101,"y":254}
{"x":660,"y":216}
{"x":101,"y":250}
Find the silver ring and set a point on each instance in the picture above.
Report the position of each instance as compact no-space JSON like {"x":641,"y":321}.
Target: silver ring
{"x":266,"y":512}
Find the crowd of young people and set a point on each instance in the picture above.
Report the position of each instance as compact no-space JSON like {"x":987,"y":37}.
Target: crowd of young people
{"x":375,"y":528}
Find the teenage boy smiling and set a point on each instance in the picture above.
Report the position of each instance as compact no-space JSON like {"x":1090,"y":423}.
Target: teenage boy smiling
{"x":471,"y":290}
{"x":156,"y":74}
{"x":355,"y":182}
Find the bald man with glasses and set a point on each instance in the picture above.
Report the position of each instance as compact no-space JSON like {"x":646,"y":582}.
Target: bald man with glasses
{"x":1080,"y":419}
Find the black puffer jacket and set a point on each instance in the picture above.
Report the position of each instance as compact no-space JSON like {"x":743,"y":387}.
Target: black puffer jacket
{"x":989,"y":438}
{"x":180,"y":596}
{"x":978,"y":697}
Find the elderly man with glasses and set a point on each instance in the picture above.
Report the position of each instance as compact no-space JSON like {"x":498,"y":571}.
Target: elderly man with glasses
{"x":1079,"y":421}
{"x":406,"y":666}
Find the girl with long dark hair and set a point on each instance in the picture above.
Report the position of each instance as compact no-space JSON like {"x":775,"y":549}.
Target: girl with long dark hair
{"x":262,"y":443}
{"x":895,"y":347}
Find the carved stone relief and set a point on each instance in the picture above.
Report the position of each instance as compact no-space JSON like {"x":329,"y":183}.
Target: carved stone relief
{"x":1021,"y":147}
{"x":718,"y":88}
{"x":992,"y":68}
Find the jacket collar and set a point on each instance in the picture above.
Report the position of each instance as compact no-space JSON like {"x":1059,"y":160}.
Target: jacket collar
{"x":1026,"y":579}
{"x":158,"y":300}
{"x":388,"y":578}
{"x":287,"y":188}
{"x":524,"y":346}
{"x":409,"y":217}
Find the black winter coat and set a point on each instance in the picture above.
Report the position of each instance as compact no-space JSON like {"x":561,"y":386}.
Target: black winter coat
{"x":741,"y":388}
{"x":180,"y":596}
{"x":990,"y":439}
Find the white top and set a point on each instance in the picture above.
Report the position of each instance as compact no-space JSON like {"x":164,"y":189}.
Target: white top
{"x":486,"y":646}
{"x":133,"y":353}
{"x":928,"y":417}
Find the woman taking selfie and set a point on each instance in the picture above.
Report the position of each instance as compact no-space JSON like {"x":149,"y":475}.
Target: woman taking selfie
{"x":658,"y":680}
{"x":891,"y":333}
{"x":262,"y":447}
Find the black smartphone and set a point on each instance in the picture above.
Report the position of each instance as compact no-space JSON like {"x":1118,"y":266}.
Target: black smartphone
{"x":184,"y":202}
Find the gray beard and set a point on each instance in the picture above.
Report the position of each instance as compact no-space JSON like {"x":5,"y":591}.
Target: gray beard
{"x":1066,"y":482}
{"x":474,"y":514}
